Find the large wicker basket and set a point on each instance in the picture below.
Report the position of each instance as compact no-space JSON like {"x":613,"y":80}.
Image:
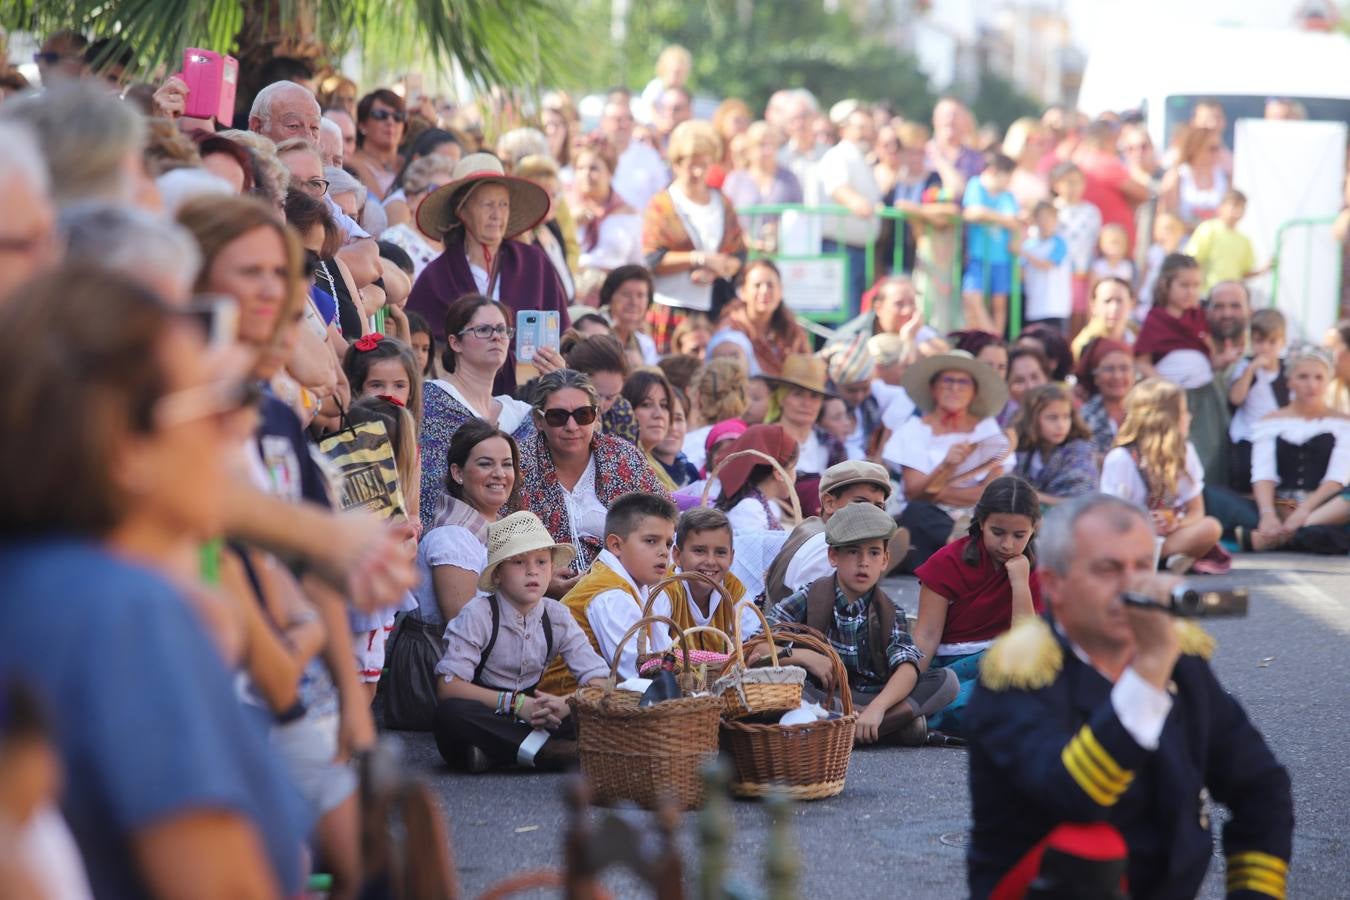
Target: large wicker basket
{"x":641,"y":754}
{"x":688,"y":661}
{"x":746,"y":691}
{"x":766,"y":459}
{"x":805,"y":762}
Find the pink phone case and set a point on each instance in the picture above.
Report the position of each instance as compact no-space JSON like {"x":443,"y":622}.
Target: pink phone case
{"x":211,"y":79}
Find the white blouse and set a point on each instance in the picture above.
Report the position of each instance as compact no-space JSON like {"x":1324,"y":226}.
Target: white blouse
{"x":448,"y":545}
{"x":1260,"y":400}
{"x":1122,"y":478}
{"x":585,"y":512}
{"x":513,"y":413}
{"x":749,"y":515}
{"x":1299,"y":431}
{"x":814,"y":457}
{"x":914,"y":446}
{"x":1188,"y":369}
{"x":695,"y":446}
{"x":620,"y":243}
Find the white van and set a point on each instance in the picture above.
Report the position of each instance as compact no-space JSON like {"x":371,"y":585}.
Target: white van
{"x":1165,"y":72}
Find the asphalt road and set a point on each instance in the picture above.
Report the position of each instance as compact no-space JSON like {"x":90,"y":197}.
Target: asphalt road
{"x":899,"y":828}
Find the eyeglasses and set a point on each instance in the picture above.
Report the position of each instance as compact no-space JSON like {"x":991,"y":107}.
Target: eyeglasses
{"x":488,"y":332}
{"x":557,"y":418}
{"x":49,"y":57}
{"x":952,"y":381}
{"x":315,"y":187}
{"x":380,"y":115}
{"x":1114,"y":370}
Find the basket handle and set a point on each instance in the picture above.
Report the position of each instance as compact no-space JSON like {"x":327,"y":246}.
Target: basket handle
{"x":661,"y":587}
{"x":713,"y":629}
{"x":736,"y":629}
{"x":777,"y":467}
{"x":637,"y":627}
{"x":811,"y":639}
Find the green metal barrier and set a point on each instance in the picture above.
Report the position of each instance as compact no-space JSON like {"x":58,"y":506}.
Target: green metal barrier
{"x":814,"y":319}
{"x":1280,"y":233}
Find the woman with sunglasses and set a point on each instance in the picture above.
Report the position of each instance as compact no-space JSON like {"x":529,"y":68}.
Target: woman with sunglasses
{"x":122,"y":473}
{"x":478,"y":343}
{"x":561,"y":465}
{"x":380,"y":122}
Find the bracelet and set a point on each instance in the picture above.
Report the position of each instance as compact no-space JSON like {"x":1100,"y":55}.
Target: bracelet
{"x":501,"y":703}
{"x":700,"y":260}
{"x":517,"y":705}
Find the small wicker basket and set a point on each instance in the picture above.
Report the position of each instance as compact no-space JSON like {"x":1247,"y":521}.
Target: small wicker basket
{"x":746,"y":691}
{"x":692,"y":659}
{"x":640,"y":754}
{"x":804,"y":762}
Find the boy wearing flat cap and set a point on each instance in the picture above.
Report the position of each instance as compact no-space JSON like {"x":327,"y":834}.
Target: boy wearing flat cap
{"x":870,"y":635}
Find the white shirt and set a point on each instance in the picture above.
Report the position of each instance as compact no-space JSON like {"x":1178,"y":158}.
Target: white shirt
{"x":640,"y":175}
{"x":611,"y":613}
{"x":647,"y":344}
{"x":694,"y":447}
{"x":619,"y":244}
{"x":481,"y":279}
{"x":896,"y":406}
{"x":1080,"y":224}
{"x":1260,"y":400}
{"x":585,"y":512}
{"x":411,"y":241}
{"x":47,"y":852}
{"x":1049,"y":292}
{"x":1121,"y":478}
{"x":811,"y":561}
{"x":513,"y":413}
{"x":845,"y":164}
{"x":1187,"y":369}
{"x":1299,"y":431}
{"x":704,"y":222}
{"x":813,"y":457}
{"x":749,"y":515}
{"x":749,"y":621}
{"x":914,"y":446}
{"x":448,"y":545}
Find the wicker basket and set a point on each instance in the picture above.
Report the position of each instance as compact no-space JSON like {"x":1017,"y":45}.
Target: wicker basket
{"x":690,"y":660}
{"x":746,"y":691}
{"x":641,"y":754}
{"x":805,"y":762}
{"x":763,"y":457}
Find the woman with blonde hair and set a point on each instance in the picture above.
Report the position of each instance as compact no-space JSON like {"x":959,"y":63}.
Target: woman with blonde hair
{"x":691,"y":236}
{"x":1024,"y":144}
{"x":730,"y":120}
{"x":1154,"y":466}
{"x":1196,"y":184}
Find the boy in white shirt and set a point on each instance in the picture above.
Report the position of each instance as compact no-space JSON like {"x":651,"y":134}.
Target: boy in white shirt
{"x":1047,"y":270}
{"x":1256,"y":388}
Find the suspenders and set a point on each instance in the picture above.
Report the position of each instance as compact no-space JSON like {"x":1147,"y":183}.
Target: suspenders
{"x":495,"y":606}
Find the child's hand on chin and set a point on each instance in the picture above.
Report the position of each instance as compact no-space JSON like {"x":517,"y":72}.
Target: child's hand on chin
{"x":1019,"y":568}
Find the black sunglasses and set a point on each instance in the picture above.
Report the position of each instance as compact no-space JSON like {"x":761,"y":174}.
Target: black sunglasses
{"x":379,"y":115}
{"x":557,"y":418}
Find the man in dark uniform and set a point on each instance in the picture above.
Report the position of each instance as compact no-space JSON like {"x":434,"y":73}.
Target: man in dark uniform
{"x":1105,"y":722}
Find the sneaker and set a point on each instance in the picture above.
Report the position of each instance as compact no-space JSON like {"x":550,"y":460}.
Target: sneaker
{"x":1179,"y":563}
{"x":915,"y":734}
{"x":938,"y":739}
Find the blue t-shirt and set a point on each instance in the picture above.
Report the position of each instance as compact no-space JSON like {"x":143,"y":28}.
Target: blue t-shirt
{"x":988,"y":243}
{"x":145,"y":714}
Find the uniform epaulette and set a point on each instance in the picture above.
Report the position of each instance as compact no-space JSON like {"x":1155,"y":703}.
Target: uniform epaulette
{"x":1026,"y":658}
{"x":1194,"y":640}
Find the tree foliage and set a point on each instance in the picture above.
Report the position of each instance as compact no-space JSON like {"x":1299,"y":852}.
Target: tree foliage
{"x":494,"y":42}
{"x":751,"y":48}
{"x":999,"y":102}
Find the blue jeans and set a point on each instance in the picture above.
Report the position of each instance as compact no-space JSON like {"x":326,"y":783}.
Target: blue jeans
{"x":857,"y":271}
{"x":967,"y":669}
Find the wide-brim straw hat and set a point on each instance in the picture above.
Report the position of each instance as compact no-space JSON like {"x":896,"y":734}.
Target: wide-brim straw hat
{"x":520,"y":532}
{"x":990,"y":392}
{"x":439,"y":212}
{"x":805,"y":371}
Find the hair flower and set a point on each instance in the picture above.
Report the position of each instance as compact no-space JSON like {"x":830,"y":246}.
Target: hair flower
{"x":369,"y":342}
{"x":389,"y":397}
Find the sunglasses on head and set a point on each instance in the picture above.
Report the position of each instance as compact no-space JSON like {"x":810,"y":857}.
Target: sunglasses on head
{"x":557,"y":418}
{"x":379,"y":115}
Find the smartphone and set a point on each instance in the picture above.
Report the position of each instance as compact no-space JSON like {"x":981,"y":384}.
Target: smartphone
{"x":219,"y":318}
{"x":211,"y":79}
{"x":536,"y":329}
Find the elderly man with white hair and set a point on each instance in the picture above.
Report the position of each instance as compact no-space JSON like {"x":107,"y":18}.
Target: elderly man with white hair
{"x":641,"y":174}
{"x":331,"y":143}
{"x":285,"y":110}
{"x":159,"y":253}
{"x":27,"y":229}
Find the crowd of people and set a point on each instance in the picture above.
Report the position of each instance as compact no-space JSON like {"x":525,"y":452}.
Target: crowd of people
{"x":212,"y":323}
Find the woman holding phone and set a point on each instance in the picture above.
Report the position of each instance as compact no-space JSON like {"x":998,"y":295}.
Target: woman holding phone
{"x":950,"y":453}
{"x":476,"y":215}
{"x":478,"y":344}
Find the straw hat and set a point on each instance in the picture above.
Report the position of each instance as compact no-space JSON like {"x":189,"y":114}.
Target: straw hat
{"x":805,"y":371}
{"x":990,"y":391}
{"x":439,"y":212}
{"x":520,"y":533}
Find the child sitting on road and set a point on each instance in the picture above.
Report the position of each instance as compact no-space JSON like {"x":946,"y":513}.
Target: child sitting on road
{"x":870,"y":635}
{"x":491,"y":710}
{"x":1256,"y":388}
{"x":703,"y":544}
{"x":609,"y":599}
{"x":973,"y":589}
{"x":1054,"y":446}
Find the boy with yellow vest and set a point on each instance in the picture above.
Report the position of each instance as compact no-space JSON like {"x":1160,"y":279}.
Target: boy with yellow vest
{"x":608,"y":600}
{"x":703,"y":544}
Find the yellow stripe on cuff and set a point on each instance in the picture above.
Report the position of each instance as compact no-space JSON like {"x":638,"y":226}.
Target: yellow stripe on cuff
{"x":1101,"y":757}
{"x":1258,"y":859}
{"x":1102,"y":776}
{"x":1261,"y":883}
{"x":1074,"y":765}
